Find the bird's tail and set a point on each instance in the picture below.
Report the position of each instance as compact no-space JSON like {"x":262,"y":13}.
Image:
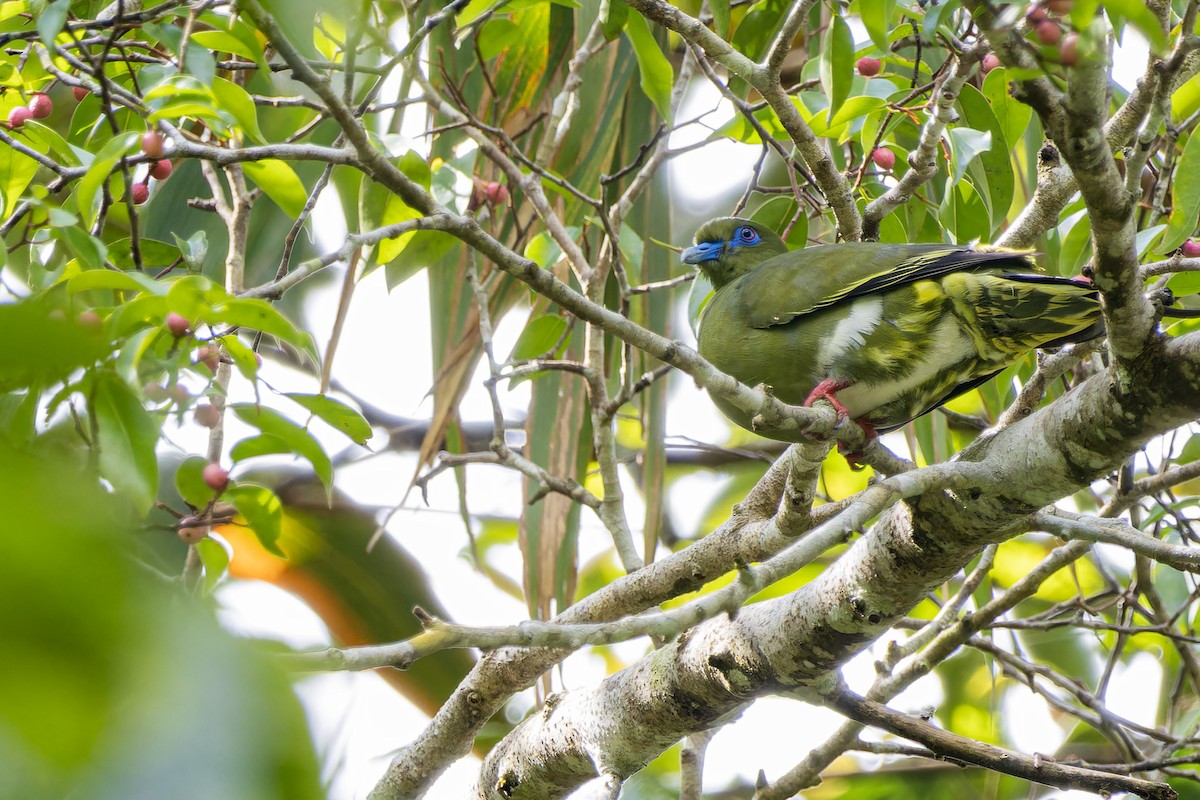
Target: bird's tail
{"x":1015,"y":312}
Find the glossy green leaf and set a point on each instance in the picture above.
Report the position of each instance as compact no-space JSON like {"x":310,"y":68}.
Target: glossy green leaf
{"x":87,"y":194}
{"x":337,"y":414}
{"x":993,"y":169}
{"x":720,"y":12}
{"x":540,"y":336}
{"x":297,"y":439}
{"x":90,"y":251}
{"x":259,"y":315}
{"x":126,"y":437}
{"x":876,"y":16}
{"x":263,"y":445}
{"x":237,"y":101}
{"x":837,"y":64}
{"x":16,"y":171}
{"x":262,"y":511}
{"x":189,"y":482}
{"x":1185,"y":197}
{"x":225,"y":42}
{"x":657,"y":76}
{"x":215,"y":559}
{"x":966,"y":144}
{"x":280,"y":183}
{"x":50,"y":348}
{"x":155,"y":254}
{"x":51,"y":20}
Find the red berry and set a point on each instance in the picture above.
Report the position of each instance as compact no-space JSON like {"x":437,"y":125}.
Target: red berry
{"x":207,"y":416}
{"x":215,"y":477}
{"x":496,"y":193}
{"x":883,"y":158}
{"x":152,"y":144}
{"x":1191,"y":249}
{"x":180,"y":394}
{"x":17,"y":117}
{"x":1068,"y":51}
{"x":41,"y":105}
{"x":161,"y":170}
{"x":990,"y":62}
{"x":1059,"y":7}
{"x":178,"y":324}
{"x":1035,"y":15}
{"x":140,"y":193}
{"x":79,"y":92}
{"x":1048,"y":32}
{"x":868,"y":67}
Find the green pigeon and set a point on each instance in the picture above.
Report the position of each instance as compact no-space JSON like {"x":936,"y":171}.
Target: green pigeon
{"x":885,"y":332}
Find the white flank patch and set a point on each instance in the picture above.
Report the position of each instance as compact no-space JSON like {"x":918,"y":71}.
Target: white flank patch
{"x":850,"y":333}
{"x":948,"y":347}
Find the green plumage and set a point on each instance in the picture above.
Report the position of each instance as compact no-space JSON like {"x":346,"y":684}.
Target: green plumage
{"x":893,"y":331}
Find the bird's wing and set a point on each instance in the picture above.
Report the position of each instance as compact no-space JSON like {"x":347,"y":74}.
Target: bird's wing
{"x":804,"y":281}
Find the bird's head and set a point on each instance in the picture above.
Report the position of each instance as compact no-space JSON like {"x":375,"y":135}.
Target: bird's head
{"x":728,"y":247}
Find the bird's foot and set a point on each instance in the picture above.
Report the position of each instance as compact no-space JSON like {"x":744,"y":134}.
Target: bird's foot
{"x":827,"y":390}
{"x":854,"y":457}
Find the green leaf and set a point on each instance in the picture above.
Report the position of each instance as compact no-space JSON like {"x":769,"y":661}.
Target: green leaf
{"x":1190,"y":451}
{"x":49,"y":349}
{"x":1185,"y":197}
{"x":47,"y":140}
{"x":50,"y":22}
{"x":280,"y":183}
{"x":965,"y":145}
{"x":87,"y":195}
{"x":657,"y":76}
{"x":337,"y":414}
{"x":1185,"y":100}
{"x":16,"y":171}
{"x":250,"y":312}
{"x":90,"y":251}
{"x":154,"y":254}
{"x":215,"y":559}
{"x":876,"y":16}
{"x":264,"y":445}
{"x":837,"y":64}
{"x":237,"y":101}
{"x":189,"y":482}
{"x":225,"y":42}
{"x":262,"y":511}
{"x":994,"y":167}
{"x":126,"y":436}
{"x":194,"y":249}
{"x":194,"y":296}
{"x":1138,"y":14}
{"x":541,"y":335}
{"x":720,"y":12}
{"x":297,"y":439}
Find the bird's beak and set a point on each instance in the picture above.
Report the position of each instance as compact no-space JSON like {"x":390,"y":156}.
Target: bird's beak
{"x":704,"y":251}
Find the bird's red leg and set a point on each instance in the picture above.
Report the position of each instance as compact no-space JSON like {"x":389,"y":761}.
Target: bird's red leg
{"x":854,"y":457}
{"x":827,"y":390}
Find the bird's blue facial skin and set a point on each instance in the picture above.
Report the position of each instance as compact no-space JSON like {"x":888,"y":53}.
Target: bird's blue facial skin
{"x":745,"y":236}
{"x":705,"y":251}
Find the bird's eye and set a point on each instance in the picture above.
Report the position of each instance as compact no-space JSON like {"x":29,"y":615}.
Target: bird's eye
{"x":747,"y":234}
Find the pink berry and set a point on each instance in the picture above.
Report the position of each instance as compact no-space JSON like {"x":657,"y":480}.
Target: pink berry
{"x":207,"y":416}
{"x":883,"y":158}
{"x":180,"y":394}
{"x":41,"y":105}
{"x":210,"y":357}
{"x":1035,"y":15}
{"x":497,"y":193}
{"x":79,"y":92}
{"x":178,"y":324}
{"x":161,"y":170}
{"x":17,"y":117}
{"x":1048,"y":32}
{"x":990,"y":62}
{"x":215,"y":477}
{"x":868,"y":67}
{"x":91,"y":320}
{"x":1068,"y":51}
{"x":1191,"y":249}
{"x":1059,"y":7}
{"x":155,"y":392}
{"x":140,"y":193}
{"x":152,"y":144}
